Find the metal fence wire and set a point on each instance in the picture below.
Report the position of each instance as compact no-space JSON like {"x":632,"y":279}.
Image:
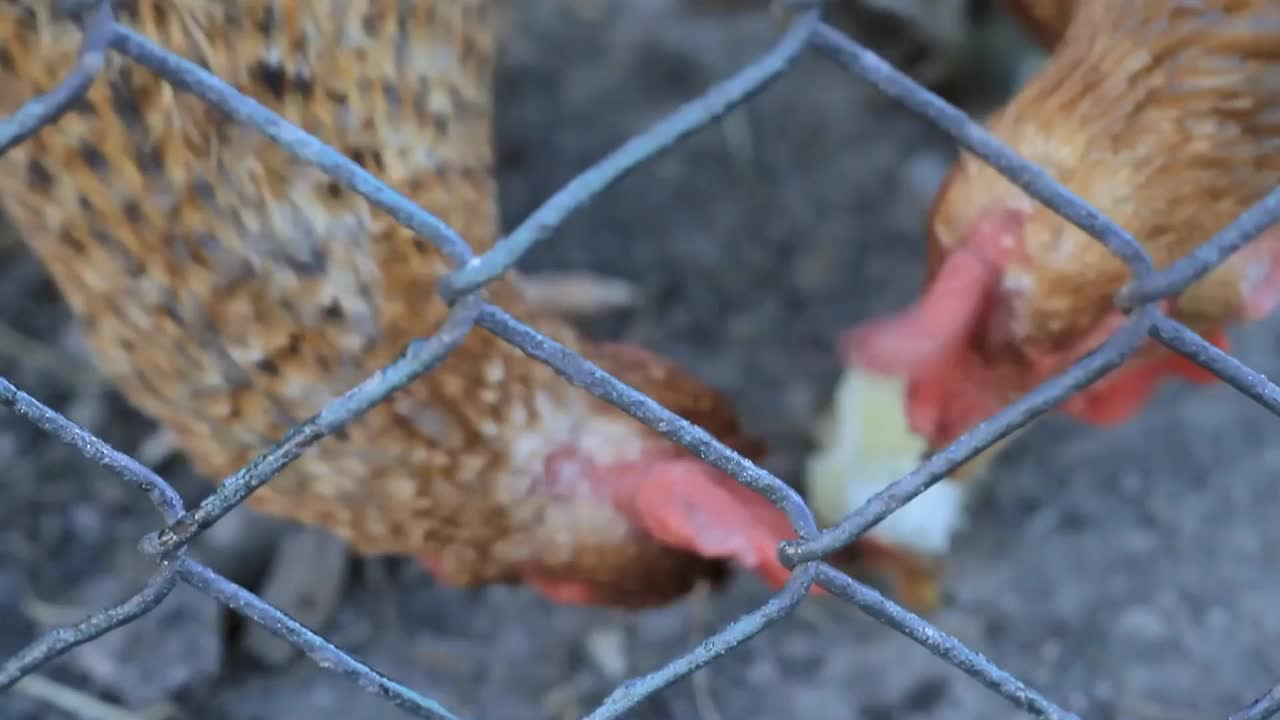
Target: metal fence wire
{"x":804,"y":556}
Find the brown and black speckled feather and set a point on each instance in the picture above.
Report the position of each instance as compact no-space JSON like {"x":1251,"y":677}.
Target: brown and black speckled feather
{"x":230,"y":291}
{"x":1163,"y":114}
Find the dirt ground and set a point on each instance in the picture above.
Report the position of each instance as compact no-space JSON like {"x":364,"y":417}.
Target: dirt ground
{"x":1122,"y":579}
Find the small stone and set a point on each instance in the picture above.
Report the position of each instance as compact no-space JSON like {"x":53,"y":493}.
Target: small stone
{"x":607,"y":648}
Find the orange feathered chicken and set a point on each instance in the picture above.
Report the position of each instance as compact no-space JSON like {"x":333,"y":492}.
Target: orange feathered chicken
{"x":1163,"y":115}
{"x":230,"y":291}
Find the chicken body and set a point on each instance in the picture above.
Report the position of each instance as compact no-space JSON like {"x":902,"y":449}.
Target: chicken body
{"x":1160,"y":114}
{"x":1163,"y":115}
{"x":230,"y":291}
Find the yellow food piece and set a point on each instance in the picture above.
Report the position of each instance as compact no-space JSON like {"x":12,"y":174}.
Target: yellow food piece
{"x":862,"y":444}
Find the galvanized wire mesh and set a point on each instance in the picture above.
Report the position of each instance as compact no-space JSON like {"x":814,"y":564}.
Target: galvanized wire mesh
{"x":806,"y":31}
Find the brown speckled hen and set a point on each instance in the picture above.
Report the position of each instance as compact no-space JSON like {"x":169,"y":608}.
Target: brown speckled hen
{"x":229,"y":292}
{"x":1163,"y":115}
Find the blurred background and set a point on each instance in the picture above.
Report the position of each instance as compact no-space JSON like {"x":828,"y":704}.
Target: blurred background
{"x":1125,"y":574}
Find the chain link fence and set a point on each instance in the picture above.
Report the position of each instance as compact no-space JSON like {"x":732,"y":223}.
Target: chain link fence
{"x":471,"y":313}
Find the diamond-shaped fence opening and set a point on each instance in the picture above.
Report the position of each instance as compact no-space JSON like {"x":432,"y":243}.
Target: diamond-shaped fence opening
{"x":471,"y":313}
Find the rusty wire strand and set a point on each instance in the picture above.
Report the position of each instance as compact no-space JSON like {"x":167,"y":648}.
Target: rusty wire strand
{"x":190,"y":77}
{"x":1109,"y":356}
{"x":581,"y":190}
{"x":579,"y":371}
{"x":59,"y":641}
{"x":1264,"y":707}
{"x":160,"y":492}
{"x":804,"y":555}
{"x":636,"y":690}
{"x":41,"y":111}
{"x":324,"y":653}
{"x":1248,"y":381}
{"x":419,"y":357}
{"x":1199,"y":262}
{"x":1039,"y":184}
{"x":939,"y":643}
